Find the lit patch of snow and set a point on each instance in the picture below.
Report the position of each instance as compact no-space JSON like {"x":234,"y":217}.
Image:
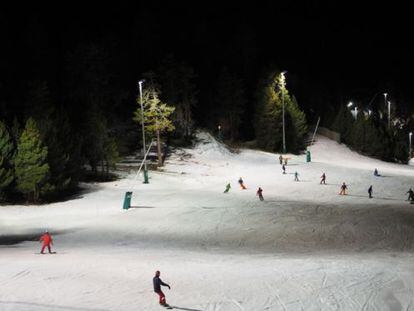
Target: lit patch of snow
{"x":303,"y":248}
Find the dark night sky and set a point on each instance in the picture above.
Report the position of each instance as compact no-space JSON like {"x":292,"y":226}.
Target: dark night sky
{"x":324,"y":45}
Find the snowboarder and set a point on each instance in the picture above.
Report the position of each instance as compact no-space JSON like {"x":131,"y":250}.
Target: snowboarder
{"x":410,"y":195}
{"x":227,"y":188}
{"x":284,"y":169}
{"x":259,"y":193}
{"x":281,"y":159}
{"x":46,"y":238}
{"x":343,"y":188}
{"x":323,"y":179}
{"x":157,"y":282}
{"x":296,"y":176}
{"x":370,"y":192}
{"x":376,"y":173}
{"x":242,"y":184}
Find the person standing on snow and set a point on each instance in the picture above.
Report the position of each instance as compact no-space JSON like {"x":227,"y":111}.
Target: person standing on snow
{"x":260,"y":193}
{"x":227,"y":188}
{"x":370,"y":192}
{"x":296,"y":176}
{"x":410,"y":195}
{"x":284,"y":169}
{"x":242,"y":184}
{"x":343,"y":188}
{"x":281,"y":159}
{"x":376,"y":173}
{"x":46,"y":238}
{"x":157,"y":282}
{"x":323,"y":179}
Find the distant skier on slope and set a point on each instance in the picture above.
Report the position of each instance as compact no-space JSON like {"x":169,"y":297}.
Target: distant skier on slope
{"x":260,"y":193}
{"x":227,"y":188}
{"x":376,"y":173}
{"x":370,"y":192}
{"x":281,"y":159}
{"x":284,"y":168}
{"x":323,"y":179}
{"x":157,"y":282}
{"x":296,"y":176}
{"x":343,"y":189}
{"x":410,"y":195}
{"x":47,"y":240}
{"x":242,"y":184}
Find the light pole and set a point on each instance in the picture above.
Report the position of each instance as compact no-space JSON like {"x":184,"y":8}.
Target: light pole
{"x":389,"y":114}
{"x":219,"y":132}
{"x":355,"y":109}
{"x":409,"y":140}
{"x":143,"y":132}
{"x":282,"y":87}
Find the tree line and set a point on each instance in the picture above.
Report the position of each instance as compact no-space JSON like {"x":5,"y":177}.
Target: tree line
{"x":370,"y":130}
{"x":60,"y":132}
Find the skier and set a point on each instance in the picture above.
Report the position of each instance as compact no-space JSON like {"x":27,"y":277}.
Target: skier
{"x":227,"y":188}
{"x":281,"y":159}
{"x":343,"y":188}
{"x":242,"y":184}
{"x":259,"y":193}
{"x":323,"y":179}
{"x":46,"y":238}
{"x":286,"y":160}
{"x":284,"y":169}
{"x":410,"y":195}
{"x":376,"y":173}
{"x":296,"y":176}
{"x":157,"y":282}
{"x":370,"y":192}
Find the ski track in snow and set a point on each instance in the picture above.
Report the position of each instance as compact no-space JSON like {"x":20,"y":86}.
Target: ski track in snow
{"x":303,"y":248}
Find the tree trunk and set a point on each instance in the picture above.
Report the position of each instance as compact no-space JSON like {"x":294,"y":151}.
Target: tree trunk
{"x":159,"y":149}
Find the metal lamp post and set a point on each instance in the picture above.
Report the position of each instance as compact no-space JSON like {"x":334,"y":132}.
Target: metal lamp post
{"x":350,"y":104}
{"x":389,"y":114}
{"x":143,"y":132}
{"x":219,"y":132}
{"x":283,"y":84}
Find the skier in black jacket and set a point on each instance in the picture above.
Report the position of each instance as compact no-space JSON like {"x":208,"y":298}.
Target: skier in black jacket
{"x":410,"y":195}
{"x":370,"y":192}
{"x":157,"y":287}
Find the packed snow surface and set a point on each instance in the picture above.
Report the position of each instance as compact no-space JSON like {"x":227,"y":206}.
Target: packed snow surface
{"x":303,"y":248}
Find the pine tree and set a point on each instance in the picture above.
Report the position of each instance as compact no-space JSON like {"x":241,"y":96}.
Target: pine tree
{"x":297,"y":132}
{"x":31,"y":168}
{"x":272,"y":95}
{"x":111,"y":154}
{"x":53,"y":128}
{"x":94,"y":136}
{"x":231,"y":100}
{"x":157,"y":115}
{"x":6,"y":159}
{"x":178,"y":89}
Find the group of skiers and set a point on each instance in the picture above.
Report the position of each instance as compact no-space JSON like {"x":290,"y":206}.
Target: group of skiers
{"x":342,"y":190}
{"x":259,"y":191}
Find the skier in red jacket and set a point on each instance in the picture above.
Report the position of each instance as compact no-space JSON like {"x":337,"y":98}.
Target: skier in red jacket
{"x":47,"y":242}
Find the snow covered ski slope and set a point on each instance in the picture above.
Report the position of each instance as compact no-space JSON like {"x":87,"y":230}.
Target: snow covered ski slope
{"x":303,"y":248}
